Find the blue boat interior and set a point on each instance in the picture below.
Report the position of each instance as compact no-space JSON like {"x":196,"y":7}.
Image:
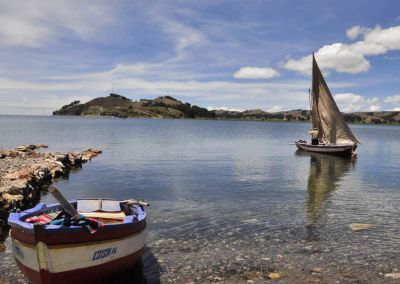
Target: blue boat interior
{"x":133,"y":212}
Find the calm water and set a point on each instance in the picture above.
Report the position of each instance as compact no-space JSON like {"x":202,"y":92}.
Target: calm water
{"x":232,"y":200}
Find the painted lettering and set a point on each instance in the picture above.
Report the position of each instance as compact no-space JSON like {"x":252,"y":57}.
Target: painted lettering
{"x":99,"y":254}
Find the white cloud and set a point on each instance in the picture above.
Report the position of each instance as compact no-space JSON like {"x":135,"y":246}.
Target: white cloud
{"x":366,"y":48}
{"x":270,"y":96}
{"x":225,"y":109}
{"x":349,"y":102}
{"x":355,"y":31}
{"x":34,"y":24}
{"x":392,"y":99}
{"x":256,"y":73}
{"x":183,"y":35}
{"x":393,"y":102}
{"x":21,"y":32}
{"x":337,"y":56}
{"x":302,"y":65}
{"x":342,"y":59}
{"x":389,"y":38}
{"x":147,"y":83}
{"x":350,"y":58}
{"x":37,"y":102}
{"x":274,"y":109}
{"x":375,"y":108}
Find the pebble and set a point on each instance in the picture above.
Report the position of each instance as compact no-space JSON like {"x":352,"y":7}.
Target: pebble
{"x":394,"y":275}
{"x":274,"y":275}
{"x":316,"y":270}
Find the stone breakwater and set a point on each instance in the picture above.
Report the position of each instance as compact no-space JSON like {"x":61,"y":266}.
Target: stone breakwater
{"x":24,"y":172}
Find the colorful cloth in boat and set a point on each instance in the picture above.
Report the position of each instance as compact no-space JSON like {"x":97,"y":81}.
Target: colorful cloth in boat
{"x":44,"y":218}
{"x":62,"y":218}
{"x":90,"y":224}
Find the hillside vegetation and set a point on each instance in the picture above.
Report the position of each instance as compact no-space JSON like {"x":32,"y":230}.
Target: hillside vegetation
{"x":120,"y":106}
{"x":168,"y":107}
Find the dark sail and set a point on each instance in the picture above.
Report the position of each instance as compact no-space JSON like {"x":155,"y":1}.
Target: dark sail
{"x":326,"y":116}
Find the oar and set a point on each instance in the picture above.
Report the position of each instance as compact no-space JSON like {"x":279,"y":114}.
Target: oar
{"x":63,"y":202}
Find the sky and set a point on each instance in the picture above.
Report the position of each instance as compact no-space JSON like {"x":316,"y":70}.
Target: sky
{"x":233,"y":55}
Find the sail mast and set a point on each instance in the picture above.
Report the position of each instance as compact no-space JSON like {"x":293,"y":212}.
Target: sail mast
{"x":310,"y":105}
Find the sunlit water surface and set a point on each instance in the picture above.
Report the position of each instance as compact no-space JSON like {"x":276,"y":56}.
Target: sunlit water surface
{"x":233,"y":200}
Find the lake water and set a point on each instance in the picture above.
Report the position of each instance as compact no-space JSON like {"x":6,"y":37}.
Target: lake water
{"x":233,"y":200}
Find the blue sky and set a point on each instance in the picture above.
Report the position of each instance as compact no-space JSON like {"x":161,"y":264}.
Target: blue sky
{"x":216,"y":54}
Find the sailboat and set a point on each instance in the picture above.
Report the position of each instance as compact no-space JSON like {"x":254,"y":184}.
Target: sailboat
{"x":331,"y":134}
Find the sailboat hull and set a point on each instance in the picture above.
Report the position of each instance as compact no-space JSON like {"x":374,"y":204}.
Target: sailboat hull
{"x":330,"y":149}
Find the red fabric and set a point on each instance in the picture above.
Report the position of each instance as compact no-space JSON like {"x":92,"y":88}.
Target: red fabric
{"x":39,"y":219}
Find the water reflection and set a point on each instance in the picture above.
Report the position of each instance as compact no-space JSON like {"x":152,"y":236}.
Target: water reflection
{"x":324,"y":177}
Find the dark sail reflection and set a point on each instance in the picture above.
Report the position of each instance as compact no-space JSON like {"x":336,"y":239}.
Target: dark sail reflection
{"x":325,"y":173}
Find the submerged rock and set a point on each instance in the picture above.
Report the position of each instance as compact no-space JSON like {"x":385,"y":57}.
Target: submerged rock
{"x":316,"y":270}
{"x":88,"y":154}
{"x":355,"y":227}
{"x":274,"y":275}
{"x":394,"y":275}
{"x":29,"y":147}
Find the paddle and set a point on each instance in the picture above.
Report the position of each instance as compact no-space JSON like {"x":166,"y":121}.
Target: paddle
{"x":63,"y":202}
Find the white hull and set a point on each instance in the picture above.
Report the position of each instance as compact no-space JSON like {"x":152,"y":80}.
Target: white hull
{"x":64,"y":258}
{"x":332,"y":149}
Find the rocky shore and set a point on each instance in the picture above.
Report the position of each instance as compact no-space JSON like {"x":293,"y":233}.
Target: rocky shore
{"x":24,"y":172}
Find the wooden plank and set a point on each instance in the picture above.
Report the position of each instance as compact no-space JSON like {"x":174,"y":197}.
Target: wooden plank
{"x":105,"y":215}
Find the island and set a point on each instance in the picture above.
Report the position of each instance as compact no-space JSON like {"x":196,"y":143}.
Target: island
{"x":116,"y":105}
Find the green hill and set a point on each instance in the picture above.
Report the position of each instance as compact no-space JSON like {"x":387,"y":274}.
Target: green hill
{"x":168,"y":107}
{"x":120,"y":106}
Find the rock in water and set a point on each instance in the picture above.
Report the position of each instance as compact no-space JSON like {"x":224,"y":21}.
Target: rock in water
{"x":88,"y":154}
{"x":29,"y":147}
{"x":394,"y":275}
{"x":274,"y":275}
{"x":355,"y":227}
{"x":316,"y":270}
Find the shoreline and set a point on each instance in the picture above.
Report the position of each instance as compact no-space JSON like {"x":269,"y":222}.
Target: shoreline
{"x":199,"y":119}
{"x":24,"y":173}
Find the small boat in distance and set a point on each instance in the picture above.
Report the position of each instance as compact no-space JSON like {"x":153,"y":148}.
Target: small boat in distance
{"x":101,"y":239}
{"x":330,"y":133}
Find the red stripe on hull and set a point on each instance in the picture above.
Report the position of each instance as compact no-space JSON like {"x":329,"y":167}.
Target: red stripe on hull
{"x":103,"y":273}
{"x":76,"y":236}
